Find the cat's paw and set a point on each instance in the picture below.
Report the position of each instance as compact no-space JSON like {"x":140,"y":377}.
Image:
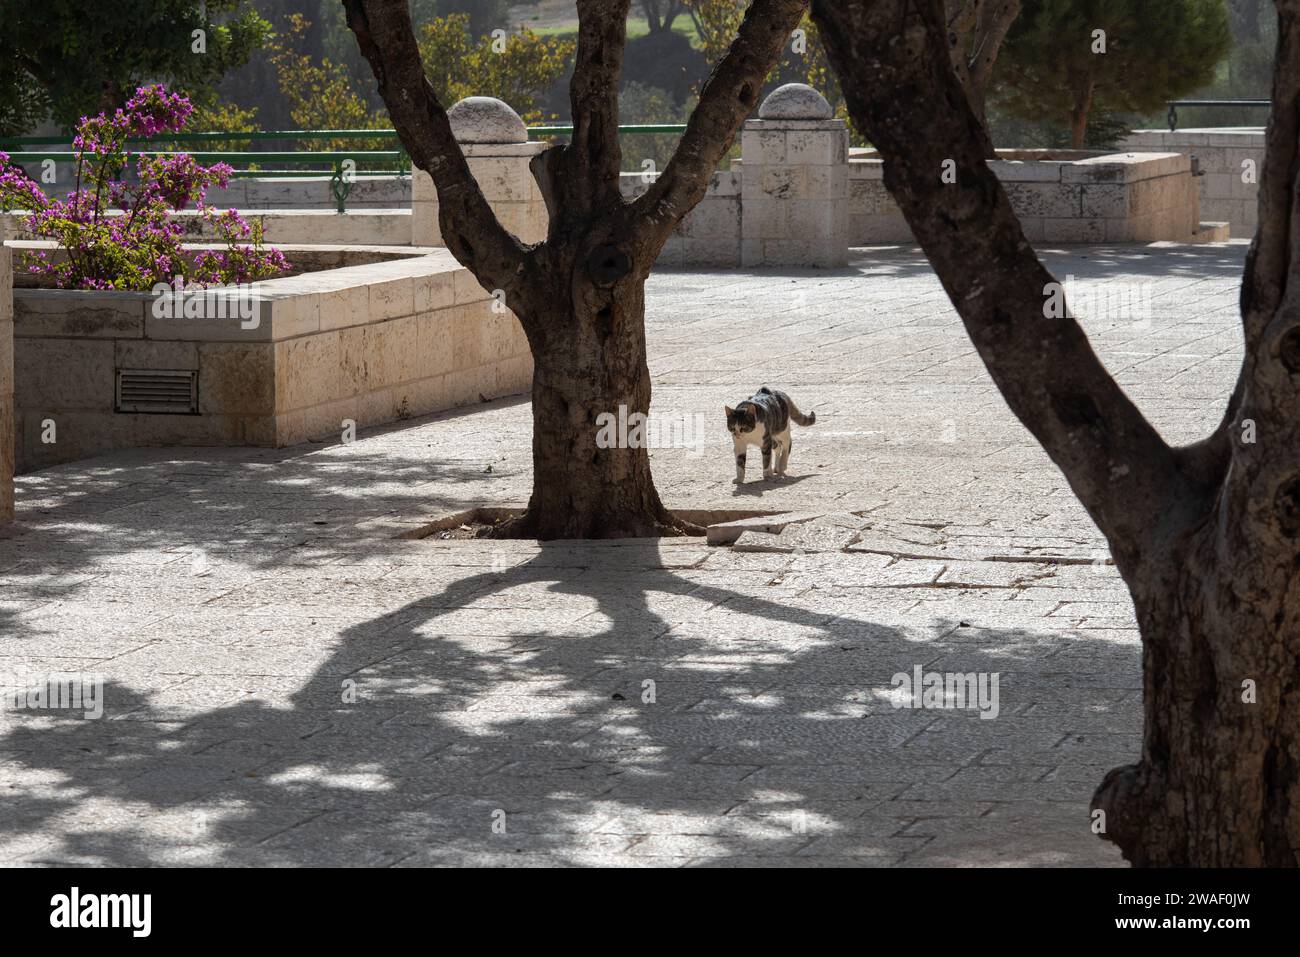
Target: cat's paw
{"x":738,"y":481}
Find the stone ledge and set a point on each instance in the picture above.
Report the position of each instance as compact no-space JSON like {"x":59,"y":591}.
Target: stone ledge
{"x":376,"y":342}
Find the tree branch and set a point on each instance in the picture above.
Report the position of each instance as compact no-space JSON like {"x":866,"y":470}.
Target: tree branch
{"x":894,"y":65}
{"x":975,"y":30}
{"x":1268,"y":262}
{"x":961,"y":16}
{"x":728,"y":97}
{"x":594,"y":156}
{"x":469,"y":227}
{"x":1264,"y":490}
{"x":994,"y":22}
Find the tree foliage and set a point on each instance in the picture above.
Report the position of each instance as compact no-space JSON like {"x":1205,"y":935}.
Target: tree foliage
{"x":518,"y":68}
{"x":321,"y":93}
{"x":804,"y":59}
{"x":1055,"y":62}
{"x":66,"y":59}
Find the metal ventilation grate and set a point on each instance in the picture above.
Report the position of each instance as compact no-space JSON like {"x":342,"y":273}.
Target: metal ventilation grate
{"x":174,"y":391}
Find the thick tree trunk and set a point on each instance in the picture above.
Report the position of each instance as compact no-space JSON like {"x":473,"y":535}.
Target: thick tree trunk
{"x":1217,"y":784}
{"x":590,"y":364}
{"x":580,"y":294}
{"x":1204,"y":535}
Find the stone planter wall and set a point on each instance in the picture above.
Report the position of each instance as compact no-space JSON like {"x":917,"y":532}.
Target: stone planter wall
{"x":375,"y":344}
{"x":1221,"y":156}
{"x":1111,"y":198}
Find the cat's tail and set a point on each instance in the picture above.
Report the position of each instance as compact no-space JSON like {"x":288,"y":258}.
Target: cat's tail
{"x":798,"y":416}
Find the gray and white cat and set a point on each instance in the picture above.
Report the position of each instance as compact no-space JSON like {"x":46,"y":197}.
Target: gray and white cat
{"x":764,"y":420}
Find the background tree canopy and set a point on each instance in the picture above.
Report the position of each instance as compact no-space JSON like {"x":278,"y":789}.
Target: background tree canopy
{"x":279,"y":64}
{"x":1054,"y":63}
{"x":64,"y":59}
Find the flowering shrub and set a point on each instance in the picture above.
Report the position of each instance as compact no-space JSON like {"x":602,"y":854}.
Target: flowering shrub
{"x":16,"y":190}
{"x":140,"y":245}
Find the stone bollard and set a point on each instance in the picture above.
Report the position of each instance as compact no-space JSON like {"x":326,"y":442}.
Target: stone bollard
{"x":795,"y":182}
{"x":495,"y":142}
{"x":6,"y":381}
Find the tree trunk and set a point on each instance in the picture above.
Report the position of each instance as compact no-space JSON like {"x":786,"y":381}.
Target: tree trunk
{"x":1217,"y":784}
{"x":975,"y":31}
{"x":1204,"y":535}
{"x":1079,"y":116}
{"x":580,"y":294}
{"x":590,"y":369}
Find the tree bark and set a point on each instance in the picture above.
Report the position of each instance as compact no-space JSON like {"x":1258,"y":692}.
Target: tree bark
{"x":975,"y":31}
{"x":580,"y":294}
{"x":660,"y":15}
{"x":1205,"y":536}
{"x":1079,"y":115}
{"x":589,"y":363}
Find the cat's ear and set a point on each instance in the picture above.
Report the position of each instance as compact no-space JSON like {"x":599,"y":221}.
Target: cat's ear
{"x":729,"y":410}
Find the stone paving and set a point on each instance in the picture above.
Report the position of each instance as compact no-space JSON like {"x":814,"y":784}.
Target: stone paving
{"x":286,"y":683}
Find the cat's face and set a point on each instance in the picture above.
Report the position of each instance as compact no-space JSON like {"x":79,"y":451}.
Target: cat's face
{"x":740,"y":422}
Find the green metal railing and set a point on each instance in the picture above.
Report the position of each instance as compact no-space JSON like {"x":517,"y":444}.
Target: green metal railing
{"x":1174,"y":104}
{"x":342,"y":175}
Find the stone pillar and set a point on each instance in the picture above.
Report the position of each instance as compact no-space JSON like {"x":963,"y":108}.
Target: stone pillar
{"x":6,"y":381}
{"x":495,"y":142}
{"x":795,"y":182}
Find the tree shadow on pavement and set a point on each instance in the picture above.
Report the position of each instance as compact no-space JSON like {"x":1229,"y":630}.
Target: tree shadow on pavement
{"x":596,"y":704}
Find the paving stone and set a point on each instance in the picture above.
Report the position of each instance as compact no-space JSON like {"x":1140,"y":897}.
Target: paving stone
{"x":510,"y":675}
{"x":755,"y":541}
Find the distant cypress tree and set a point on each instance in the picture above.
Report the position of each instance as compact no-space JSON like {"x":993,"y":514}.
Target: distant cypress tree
{"x":1067,"y":59}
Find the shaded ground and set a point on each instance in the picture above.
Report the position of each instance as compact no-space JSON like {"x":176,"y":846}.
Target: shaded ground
{"x":290,"y":685}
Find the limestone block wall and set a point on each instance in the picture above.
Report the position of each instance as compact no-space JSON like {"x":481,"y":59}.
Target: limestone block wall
{"x":710,"y":233}
{"x":6,"y":384}
{"x":1080,"y":198}
{"x":365,"y":227}
{"x":502,"y":173}
{"x":794,"y":192}
{"x":281,"y":227}
{"x":280,"y":192}
{"x":1222,"y":156}
{"x":375,"y":343}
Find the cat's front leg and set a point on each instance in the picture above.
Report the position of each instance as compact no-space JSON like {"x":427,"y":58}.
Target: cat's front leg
{"x":767,"y":458}
{"x":740,"y":468}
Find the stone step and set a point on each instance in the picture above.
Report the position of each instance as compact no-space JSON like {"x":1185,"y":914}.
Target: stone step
{"x":1211,"y":233}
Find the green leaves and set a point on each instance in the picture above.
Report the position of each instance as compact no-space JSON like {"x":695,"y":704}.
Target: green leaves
{"x":517,"y":68}
{"x":1052,"y":64}
{"x":65,"y":59}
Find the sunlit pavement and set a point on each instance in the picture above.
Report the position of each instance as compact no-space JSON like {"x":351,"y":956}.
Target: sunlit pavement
{"x":286,"y":683}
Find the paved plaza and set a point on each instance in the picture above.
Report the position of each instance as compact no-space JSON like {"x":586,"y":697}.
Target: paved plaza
{"x":287,"y":682}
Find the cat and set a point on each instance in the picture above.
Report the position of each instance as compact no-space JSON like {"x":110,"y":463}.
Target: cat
{"x":764,"y":420}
